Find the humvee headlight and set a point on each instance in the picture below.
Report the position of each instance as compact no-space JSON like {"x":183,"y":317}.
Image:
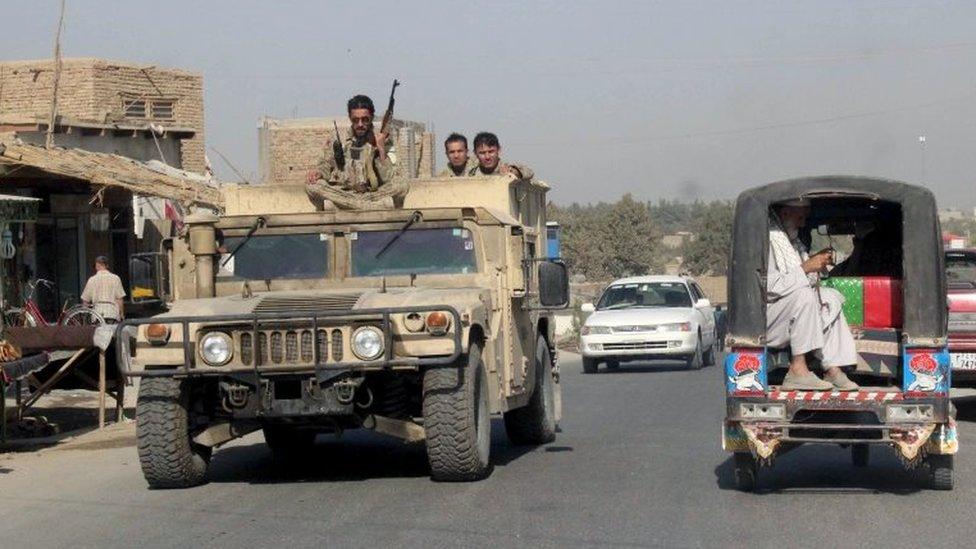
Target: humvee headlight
{"x":215,"y":348}
{"x":438,"y":322}
{"x":367,"y":342}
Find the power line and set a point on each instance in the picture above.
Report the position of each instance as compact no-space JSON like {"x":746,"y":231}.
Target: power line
{"x":751,"y":129}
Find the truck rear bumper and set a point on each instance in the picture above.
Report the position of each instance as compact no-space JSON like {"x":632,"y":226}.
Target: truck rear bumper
{"x":761,"y":424}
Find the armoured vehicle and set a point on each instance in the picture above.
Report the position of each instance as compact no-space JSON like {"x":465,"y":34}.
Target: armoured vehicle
{"x":417,"y":322}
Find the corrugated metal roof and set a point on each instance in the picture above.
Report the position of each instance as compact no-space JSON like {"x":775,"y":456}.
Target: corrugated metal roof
{"x":111,"y":170}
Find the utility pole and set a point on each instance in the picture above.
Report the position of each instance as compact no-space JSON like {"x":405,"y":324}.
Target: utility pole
{"x":921,"y":143}
{"x":49,"y":140}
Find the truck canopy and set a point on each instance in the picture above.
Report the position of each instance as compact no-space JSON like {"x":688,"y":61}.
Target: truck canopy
{"x":924,"y":287}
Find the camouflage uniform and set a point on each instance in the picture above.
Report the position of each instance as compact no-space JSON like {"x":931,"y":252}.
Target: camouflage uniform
{"x":364,"y":169}
{"x":448,"y":172}
{"x":526,"y":172}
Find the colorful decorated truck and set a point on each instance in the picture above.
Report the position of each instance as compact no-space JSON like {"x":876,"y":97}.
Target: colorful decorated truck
{"x":894,"y":291}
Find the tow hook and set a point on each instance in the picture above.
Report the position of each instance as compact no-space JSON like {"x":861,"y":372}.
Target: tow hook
{"x":235,"y":395}
{"x":345,"y":390}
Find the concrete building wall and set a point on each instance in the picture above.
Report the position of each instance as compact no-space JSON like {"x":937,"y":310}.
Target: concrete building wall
{"x":97,"y":90}
{"x":291,"y":147}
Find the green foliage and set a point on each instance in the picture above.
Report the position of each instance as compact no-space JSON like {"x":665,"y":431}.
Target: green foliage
{"x":604,"y":241}
{"x":709,"y":253}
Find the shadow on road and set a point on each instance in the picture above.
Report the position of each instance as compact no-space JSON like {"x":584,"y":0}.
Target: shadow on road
{"x":645,"y":367}
{"x":357,"y":456}
{"x":827,"y":469}
{"x":965,"y":408}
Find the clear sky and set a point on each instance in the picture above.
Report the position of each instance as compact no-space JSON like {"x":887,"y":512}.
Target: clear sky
{"x":672,"y":99}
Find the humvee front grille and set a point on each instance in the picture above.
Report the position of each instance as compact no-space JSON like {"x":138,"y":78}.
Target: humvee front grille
{"x":337,"y":345}
{"x":276,"y":348}
{"x":247,"y":348}
{"x":291,"y":346}
{"x":306,"y":346}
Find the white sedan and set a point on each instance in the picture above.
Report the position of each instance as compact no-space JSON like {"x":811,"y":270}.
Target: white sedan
{"x":649,"y":317}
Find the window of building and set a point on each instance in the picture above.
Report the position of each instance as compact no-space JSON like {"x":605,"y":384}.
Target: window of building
{"x":162,"y":109}
{"x":149,"y":109}
{"x":134,"y":108}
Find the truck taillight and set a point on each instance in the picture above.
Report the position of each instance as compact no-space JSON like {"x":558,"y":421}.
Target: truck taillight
{"x":745,"y":372}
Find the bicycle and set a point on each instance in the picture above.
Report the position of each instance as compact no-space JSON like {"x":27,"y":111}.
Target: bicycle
{"x":30,"y":314}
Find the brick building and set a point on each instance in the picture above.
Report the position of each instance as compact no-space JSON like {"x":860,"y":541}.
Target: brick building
{"x":105,"y":95}
{"x":288,"y":148}
{"x":112,"y":185}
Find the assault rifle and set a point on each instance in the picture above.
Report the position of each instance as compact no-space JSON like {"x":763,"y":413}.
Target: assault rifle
{"x":337,"y":152}
{"x":388,"y":115}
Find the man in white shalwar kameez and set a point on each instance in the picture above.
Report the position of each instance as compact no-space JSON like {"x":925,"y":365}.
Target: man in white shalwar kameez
{"x":801,"y":314}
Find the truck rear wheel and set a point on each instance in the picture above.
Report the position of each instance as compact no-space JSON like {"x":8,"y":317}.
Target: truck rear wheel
{"x":535,"y":423}
{"x":940,"y":471}
{"x":168,"y":457}
{"x":456,"y":420}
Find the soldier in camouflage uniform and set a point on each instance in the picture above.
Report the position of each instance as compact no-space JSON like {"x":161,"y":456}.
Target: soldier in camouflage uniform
{"x":488,"y":151}
{"x":459,"y":162}
{"x":369,"y":165}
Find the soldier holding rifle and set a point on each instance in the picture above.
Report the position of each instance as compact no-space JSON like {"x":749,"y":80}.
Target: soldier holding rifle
{"x":359,"y":163}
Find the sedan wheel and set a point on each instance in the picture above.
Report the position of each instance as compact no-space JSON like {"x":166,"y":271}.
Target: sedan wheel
{"x":695,"y":360}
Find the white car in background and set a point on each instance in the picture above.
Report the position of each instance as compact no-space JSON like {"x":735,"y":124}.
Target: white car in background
{"x":649,"y":317}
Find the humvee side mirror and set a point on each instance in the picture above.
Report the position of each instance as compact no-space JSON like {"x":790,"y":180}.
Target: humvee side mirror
{"x":148,"y":280}
{"x":553,"y":284}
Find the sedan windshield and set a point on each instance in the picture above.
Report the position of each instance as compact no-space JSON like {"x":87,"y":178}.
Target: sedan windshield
{"x":415,"y":251}
{"x":645,"y":294}
{"x":270,"y":257}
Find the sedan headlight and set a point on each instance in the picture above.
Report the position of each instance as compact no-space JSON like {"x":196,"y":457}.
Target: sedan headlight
{"x":367,"y":342}
{"x":675,"y":327}
{"x":596,"y":330}
{"x":216,"y":348}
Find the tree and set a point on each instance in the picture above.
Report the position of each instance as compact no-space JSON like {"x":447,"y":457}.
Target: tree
{"x":709,"y":253}
{"x":605,"y":241}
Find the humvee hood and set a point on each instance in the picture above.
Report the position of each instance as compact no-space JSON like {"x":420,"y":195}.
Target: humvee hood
{"x":347,"y":299}
{"x":459,"y":298}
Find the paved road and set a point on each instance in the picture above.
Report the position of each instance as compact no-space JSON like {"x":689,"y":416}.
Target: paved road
{"x":638,"y":463}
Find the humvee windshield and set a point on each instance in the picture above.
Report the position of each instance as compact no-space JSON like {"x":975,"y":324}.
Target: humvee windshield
{"x":286,"y":256}
{"x":418,"y":251}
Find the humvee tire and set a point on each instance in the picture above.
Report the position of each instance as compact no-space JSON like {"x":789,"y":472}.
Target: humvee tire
{"x":535,"y":423}
{"x":455,"y":408}
{"x":168,"y":457}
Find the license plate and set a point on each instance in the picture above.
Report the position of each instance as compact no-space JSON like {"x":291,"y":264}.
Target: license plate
{"x":963,"y":361}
